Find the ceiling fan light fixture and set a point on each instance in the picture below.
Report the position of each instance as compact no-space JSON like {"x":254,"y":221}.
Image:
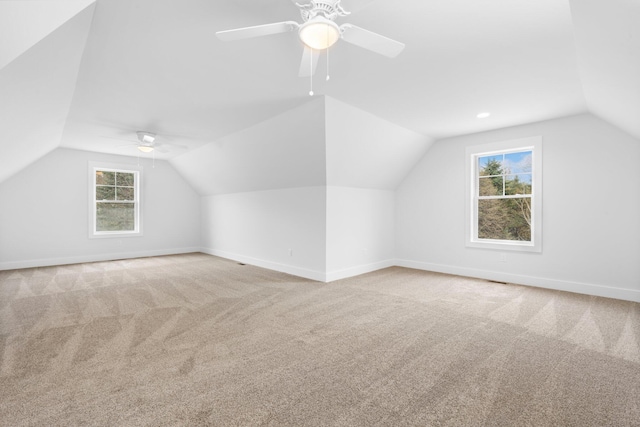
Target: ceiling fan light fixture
{"x":319,"y":33}
{"x":145,"y":148}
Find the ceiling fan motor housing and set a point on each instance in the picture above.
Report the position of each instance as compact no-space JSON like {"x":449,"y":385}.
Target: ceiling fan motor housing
{"x":329,"y":9}
{"x":146,"y":137}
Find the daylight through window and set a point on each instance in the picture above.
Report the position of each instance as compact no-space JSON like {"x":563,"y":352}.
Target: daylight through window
{"x":504,"y":189}
{"x":504,"y":196}
{"x":115,"y":201}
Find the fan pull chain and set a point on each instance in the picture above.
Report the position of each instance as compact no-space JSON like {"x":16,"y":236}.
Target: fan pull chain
{"x":154,"y":159}
{"x":311,"y":73}
{"x":328,"y":64}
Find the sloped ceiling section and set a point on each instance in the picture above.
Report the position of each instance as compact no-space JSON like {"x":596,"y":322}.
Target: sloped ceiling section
{"x":324,"y":142}
{"x":285,"y":151}
{"x":365,"y":151}
{"x":608,"y":46}
{"x":515,"y":59}
{"x":36,"y":89}
{"x":157,"y":65}
{"x":24,"y":23}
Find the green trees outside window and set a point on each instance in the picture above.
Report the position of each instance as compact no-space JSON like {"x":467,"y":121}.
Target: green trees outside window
{"x":115,"y":199}
{"x":504,"y":185}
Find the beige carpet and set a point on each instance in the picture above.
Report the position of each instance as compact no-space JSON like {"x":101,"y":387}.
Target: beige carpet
{"x":198,"y":340}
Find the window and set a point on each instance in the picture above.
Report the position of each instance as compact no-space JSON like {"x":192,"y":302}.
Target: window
{"x":504,"y":189}
{"x":115,"y":201}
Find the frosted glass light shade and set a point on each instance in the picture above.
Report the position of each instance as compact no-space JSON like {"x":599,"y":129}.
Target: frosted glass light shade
{"x":319,"y":33}
{"x":145,"y":148}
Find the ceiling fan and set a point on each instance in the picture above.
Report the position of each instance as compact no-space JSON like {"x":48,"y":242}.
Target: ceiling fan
{"x":318,"y":31}
{"x":147,"y":143}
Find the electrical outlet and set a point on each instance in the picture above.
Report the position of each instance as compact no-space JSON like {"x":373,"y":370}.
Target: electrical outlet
{"x":503,"y":257}
{"x":290,"y":252}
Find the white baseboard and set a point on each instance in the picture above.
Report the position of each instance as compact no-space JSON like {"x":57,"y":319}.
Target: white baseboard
{"x":284,"y":268}
{"x":46,"y":262}
{"x":541,"y":282}
{"x":358,"y":270}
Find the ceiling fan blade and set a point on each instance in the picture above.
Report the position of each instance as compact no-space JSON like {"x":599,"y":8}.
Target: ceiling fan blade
{"x":371,"y":41}
{"x":257,"y":31}
{"x":309,"y":62}
{"x":169,"y":147}
{"x":132,"y":141}
{"x":161,"y":148}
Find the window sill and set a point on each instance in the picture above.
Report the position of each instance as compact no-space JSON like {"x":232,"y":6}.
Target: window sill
{"x":502,"y":245}
{"x":114,"y":234}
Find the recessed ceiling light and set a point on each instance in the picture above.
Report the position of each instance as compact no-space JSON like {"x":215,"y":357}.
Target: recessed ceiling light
{"x":483,"y":115}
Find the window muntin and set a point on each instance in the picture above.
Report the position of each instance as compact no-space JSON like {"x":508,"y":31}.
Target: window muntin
{"x":504,"y":185}
{"x":115,"y":207}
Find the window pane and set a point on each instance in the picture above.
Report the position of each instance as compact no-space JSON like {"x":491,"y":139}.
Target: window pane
{"x":490,"y":186}
{"x":124,"y":179}
{"x":518,"y":184}
{"x":505,"y":219}
{"x":515,"y":163}
{"x":490,"y":165}
{"x":125,"y":193}
{"x":105,"y":193}
{"x":115,"y":217}
{"x":105,"y":178}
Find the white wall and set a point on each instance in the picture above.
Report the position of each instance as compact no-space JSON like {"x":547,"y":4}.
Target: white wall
{"x":590,"y":220}
{"x":44,"y":216}
{"x":366,"y":158}
{"x":333,"y":232}
{"x":360,"y":231}
{"x":260,"y":227}
{"x":366,"y":151}
{"x":317,"y":179}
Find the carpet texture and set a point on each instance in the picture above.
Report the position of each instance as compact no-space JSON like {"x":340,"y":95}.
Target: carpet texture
{"x":198,"y":340}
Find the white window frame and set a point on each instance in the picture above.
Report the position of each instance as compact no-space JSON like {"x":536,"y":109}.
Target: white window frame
{"x":111,"y":167}
{"x":471,"y":206}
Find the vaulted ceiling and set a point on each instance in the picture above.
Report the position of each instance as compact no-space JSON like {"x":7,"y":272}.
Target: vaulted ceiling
{"x":87,"y":74}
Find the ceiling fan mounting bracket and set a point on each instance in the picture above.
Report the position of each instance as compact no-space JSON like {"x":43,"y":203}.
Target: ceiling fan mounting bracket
{"x":329,"y":9}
